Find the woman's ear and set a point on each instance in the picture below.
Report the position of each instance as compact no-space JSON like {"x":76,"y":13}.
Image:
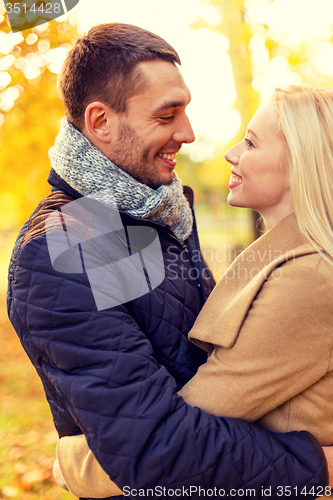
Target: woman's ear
{"x":100,"y":123}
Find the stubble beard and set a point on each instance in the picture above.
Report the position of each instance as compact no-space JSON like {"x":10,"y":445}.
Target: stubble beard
{"x":128,"y":156}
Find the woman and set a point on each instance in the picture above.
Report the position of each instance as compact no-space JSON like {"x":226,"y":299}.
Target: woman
{"x":270,"y":317}
{"x":268,"y":323}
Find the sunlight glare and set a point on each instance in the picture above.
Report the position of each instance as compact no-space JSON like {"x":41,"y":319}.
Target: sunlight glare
{"x":205,"y":65}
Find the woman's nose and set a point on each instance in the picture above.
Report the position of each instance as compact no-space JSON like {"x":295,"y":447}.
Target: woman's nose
{"x":232,"y":156}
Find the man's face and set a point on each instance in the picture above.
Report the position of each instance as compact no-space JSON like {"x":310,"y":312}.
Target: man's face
{"x":154,"y":127}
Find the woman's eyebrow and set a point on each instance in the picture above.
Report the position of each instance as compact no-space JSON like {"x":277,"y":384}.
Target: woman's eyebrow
{"x":249,"y":131}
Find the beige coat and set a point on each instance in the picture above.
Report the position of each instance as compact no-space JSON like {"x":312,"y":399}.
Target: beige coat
{"x":268,"y":326}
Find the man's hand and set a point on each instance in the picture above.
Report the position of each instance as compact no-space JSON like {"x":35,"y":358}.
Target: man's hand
{"x":329,"y":457}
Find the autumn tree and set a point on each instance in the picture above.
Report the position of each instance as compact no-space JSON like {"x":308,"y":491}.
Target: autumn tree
{"x":30,"y":111}
{"x":254,"y":44}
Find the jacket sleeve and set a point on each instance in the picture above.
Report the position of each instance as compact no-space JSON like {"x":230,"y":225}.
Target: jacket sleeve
{"x":283,"y":347}
{"x":141,"y":431}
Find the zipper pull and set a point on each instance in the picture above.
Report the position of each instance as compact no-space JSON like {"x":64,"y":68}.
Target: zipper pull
{"x":185,"y":247}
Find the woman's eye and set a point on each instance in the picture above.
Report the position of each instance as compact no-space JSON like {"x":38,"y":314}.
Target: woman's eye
{"x":248,"y":143}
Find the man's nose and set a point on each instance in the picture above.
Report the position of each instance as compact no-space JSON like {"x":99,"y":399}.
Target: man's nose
{"x":184,"y":132}
{"x":232,"y":156}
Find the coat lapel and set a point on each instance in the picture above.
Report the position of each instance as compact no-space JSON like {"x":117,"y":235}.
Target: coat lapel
{"x":222,"y":316}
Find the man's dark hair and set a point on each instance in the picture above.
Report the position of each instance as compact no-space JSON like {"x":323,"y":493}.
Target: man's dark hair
{"x":102,"y":67}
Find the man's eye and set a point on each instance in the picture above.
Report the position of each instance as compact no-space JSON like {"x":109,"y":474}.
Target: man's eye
{"x":248,"y":143}
{"x":166,"y":118}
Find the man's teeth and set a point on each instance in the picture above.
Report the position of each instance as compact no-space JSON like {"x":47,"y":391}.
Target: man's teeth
{"x":170,"y":157}
{"x":235,"y":178}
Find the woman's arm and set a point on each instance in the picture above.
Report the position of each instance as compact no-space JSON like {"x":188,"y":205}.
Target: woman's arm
{"x":94,"y":481}
{"x":78,"y":469}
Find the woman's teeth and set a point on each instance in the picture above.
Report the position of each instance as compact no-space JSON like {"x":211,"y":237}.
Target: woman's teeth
{"x":235,"y":178}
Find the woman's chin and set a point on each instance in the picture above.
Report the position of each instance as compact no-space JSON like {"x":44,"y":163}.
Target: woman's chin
{"x":232,"y":200}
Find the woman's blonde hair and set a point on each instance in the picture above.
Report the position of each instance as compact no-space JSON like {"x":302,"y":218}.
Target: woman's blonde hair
{"x":306,"y":120}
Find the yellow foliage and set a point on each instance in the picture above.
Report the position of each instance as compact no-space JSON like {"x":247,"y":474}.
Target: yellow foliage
{"x":30,"y":126}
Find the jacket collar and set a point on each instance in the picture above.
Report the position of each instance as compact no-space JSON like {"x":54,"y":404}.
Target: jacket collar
{"x":58,"y":183}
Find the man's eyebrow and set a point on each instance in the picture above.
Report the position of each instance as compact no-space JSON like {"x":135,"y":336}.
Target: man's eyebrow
{"x":170,"y":104}
{"x":249,"y":131}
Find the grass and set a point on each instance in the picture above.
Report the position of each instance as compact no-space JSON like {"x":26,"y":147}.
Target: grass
{"x":27,"y":434}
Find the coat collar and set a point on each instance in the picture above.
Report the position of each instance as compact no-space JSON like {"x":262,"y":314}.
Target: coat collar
{"x":221,"y":318}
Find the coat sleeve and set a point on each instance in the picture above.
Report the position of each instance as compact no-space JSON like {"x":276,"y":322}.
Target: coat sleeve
{"x":141,"y":431}
{"x":80,"y":470}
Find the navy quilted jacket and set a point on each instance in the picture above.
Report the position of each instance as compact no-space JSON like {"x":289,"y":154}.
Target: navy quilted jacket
{"x":107,"y":379}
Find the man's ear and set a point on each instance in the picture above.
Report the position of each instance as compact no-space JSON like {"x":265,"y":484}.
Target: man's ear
{"x":100,"y":123}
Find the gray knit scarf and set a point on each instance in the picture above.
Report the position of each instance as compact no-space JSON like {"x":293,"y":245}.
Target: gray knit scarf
{"x":88,"y":171}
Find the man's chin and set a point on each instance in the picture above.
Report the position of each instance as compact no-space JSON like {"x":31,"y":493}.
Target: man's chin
{"x":160,"y":180}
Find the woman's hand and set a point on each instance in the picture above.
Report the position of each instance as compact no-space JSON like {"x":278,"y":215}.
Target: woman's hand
{"x":328,"y":450}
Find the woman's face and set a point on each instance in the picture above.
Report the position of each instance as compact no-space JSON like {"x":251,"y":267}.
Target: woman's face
{"x":259,"y":176}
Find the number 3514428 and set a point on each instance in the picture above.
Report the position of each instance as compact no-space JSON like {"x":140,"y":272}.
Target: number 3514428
{"x":39,"y":8}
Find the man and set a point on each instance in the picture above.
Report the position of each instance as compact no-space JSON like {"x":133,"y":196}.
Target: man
{"x":111,"y":372}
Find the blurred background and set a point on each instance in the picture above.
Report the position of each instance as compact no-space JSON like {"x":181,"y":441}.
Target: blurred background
{"x":234,"y":53}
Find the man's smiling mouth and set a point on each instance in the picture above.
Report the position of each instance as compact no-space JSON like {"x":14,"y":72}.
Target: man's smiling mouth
{"x":167,"y":156}
{"x":169,"y":159}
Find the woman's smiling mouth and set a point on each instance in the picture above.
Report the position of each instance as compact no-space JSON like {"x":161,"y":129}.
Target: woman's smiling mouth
{"x":235,"y":180}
